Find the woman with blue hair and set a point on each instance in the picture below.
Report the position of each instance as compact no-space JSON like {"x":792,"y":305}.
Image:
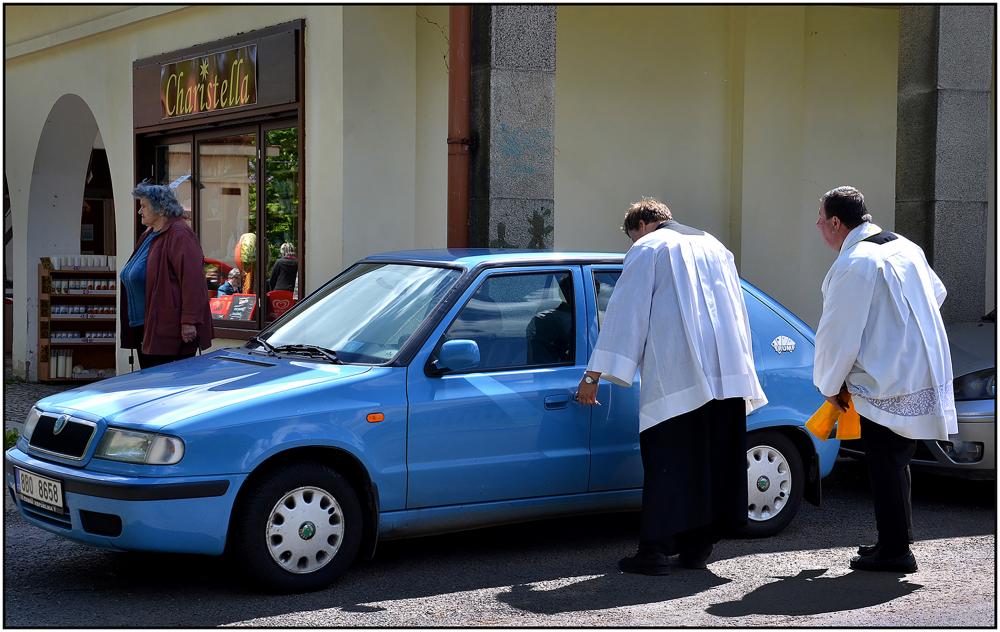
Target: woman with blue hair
{"x":164,"y":311}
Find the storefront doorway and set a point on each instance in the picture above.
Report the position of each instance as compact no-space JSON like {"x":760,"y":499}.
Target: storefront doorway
{"x":243,"y":202}
{"x":223,"y":123}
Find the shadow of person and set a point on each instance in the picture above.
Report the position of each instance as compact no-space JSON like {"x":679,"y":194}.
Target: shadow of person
{"x":807,"y":593}
{"x":610,"y":591}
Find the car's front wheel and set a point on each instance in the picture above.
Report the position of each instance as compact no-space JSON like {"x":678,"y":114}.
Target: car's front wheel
{"x":775,"y":482}
{"x":298,"y":529}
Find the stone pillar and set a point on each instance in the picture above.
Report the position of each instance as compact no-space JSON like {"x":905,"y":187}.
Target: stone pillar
{"x":513,"y":124}
{"x":943,"y":172}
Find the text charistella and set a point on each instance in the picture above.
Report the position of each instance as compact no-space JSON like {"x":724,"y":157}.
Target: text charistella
{"x":189,"y":94}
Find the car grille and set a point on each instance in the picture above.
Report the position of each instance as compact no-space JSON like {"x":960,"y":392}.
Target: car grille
{"x":70,"y":442}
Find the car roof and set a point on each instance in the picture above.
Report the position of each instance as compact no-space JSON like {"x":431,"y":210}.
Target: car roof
{"x":473,"y":257}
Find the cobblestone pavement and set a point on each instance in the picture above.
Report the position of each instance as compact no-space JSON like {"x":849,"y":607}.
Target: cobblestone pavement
{"x":18,"y":396}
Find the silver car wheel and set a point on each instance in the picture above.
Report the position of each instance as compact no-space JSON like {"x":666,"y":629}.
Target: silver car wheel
{"x":769,"y":483}
{"x":305,"y":530}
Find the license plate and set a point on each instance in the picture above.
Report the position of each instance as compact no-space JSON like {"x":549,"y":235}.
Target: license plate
{"x":39,"y":491}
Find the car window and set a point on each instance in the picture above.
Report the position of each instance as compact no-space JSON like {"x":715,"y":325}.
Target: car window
{"x":604,"y":283}
{"x":520,"y":320}
{"x":368,"y":313}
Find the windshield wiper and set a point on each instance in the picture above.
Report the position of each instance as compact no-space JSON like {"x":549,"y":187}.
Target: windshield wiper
{"x":268,"y":347}
{"x":312,"y":350}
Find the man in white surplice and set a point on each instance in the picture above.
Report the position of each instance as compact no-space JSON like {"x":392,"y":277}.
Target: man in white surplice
{"x":677,"y":315}
{"x":881,"y":343}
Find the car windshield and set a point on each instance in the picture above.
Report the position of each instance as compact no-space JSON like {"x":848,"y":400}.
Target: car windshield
{"x":366,"y":315}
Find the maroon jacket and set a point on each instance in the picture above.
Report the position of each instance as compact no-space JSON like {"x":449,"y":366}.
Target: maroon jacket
{"x":176,"y":293}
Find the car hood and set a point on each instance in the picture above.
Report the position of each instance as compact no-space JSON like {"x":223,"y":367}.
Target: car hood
{"x":155,"y":397}
{"x":972,"y":346}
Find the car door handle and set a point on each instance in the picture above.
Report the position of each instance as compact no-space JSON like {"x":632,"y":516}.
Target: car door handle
{"x":555,"y":402}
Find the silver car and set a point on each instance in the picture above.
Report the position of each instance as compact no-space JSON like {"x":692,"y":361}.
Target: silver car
{"x":972,"y":452}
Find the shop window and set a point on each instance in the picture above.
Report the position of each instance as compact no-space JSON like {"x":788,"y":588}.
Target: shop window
{"x":172,"y":162}
{"x":243,"y":200}
{"x":281,"y":220}
{"x":227,"y":219}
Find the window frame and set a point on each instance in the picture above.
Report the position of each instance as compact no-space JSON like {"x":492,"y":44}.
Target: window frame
{"x":240,"y":330}
{"x":484,"y":278}
{"x":594,"y":271}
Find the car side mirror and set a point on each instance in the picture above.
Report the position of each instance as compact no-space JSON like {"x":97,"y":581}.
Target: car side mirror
{"x":457,"y":355}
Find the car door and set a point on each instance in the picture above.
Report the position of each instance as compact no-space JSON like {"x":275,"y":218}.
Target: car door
{"x":780,"y":359}
{"x":507,"y":427}
{"x":615,"y":460}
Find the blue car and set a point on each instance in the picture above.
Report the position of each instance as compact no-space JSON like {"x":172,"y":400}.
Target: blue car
{"x":415,"y":393}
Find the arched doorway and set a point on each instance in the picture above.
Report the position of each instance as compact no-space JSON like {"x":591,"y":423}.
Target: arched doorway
{"x":56,"y":198}
{"x":97,"y":217}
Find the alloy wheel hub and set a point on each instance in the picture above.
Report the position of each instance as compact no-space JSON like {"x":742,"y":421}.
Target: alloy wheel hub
{"x":769,"y":482}
{"x":305,"y":530}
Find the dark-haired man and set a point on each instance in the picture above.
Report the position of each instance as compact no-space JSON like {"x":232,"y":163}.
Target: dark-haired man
{"x":882,"y":343}
{"x":677,"y":314}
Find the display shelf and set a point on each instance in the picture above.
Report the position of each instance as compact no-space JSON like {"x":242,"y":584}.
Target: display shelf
{"x":84,"y":293}
{"x":57,"y":357}
{"x":55,"y":342}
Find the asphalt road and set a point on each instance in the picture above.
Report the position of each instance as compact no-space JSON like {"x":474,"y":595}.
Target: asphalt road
{"x":553,"y":573}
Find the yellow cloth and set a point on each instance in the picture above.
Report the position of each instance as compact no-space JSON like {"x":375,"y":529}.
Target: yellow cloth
{"x":822,"y":421}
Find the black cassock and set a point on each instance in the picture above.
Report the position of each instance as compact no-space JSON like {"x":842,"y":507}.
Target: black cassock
{"x":694,"y":488}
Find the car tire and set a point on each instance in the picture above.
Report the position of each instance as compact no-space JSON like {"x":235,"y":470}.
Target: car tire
{"x":298,"y":529}
{"x":775,"y":483}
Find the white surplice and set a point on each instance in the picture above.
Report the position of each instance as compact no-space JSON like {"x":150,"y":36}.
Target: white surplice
{"x":677,"y":312}
{"x":881,"y":333}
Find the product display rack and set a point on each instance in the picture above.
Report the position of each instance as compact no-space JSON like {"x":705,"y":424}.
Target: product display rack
{"x":77,"y":310}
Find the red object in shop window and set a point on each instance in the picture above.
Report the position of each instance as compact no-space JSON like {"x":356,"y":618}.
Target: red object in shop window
{"x":224,"y":267}
{"x":220,"y":306}
{"x":279,"y":302}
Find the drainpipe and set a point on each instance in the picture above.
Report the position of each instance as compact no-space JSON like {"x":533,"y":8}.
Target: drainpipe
{"x":459,"y":54}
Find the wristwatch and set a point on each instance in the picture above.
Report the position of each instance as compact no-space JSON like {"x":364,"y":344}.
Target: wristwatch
{"x":587,"y":379}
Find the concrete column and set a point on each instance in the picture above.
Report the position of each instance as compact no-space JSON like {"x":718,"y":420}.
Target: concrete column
{"x":943,"y":173}
{"x":513,"y":123}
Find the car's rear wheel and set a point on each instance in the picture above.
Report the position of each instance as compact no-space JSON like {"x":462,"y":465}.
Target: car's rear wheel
{"x":298,"y":529}
{"x":775,"y":482}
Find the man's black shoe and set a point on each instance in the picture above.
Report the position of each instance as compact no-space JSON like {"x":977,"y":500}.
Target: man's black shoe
{"x":868,"y":549}
{"x":871,"y":549}
{"x":904,"y":563}
{"x":645,"y":564}
{"x":696,"y":558}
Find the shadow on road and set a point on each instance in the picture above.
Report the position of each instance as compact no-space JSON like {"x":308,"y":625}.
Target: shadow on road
{"x":611,"y":591}
{"x":98,"y":588}
{"x":809,"y":594}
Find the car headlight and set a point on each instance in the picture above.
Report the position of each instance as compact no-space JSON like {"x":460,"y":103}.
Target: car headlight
{"x":29,"y":423}
{"x":133,"y":446}
{"x":978,"y":385}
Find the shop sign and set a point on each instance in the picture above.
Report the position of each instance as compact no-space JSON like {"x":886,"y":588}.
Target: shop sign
{"x":209,"y":83}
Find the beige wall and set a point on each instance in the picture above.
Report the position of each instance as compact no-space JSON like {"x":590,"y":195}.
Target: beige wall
{"x":804,"y":134}
{"x":379,"y":129}
{"x":395,"y":128}
{"x":727,"y":114}
{"x":383,"y":53}
{"x":641,"y":109}
{"x":431,"y":230}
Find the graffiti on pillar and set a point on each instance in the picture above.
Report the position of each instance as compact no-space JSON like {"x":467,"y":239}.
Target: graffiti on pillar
{"x":525,"y":150}
{"x":540,"y":232}
{"x":534,"y":233}
{"x":501,"y":240}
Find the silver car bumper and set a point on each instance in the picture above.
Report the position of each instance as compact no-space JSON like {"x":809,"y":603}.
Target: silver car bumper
{"x":976,"y":425}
